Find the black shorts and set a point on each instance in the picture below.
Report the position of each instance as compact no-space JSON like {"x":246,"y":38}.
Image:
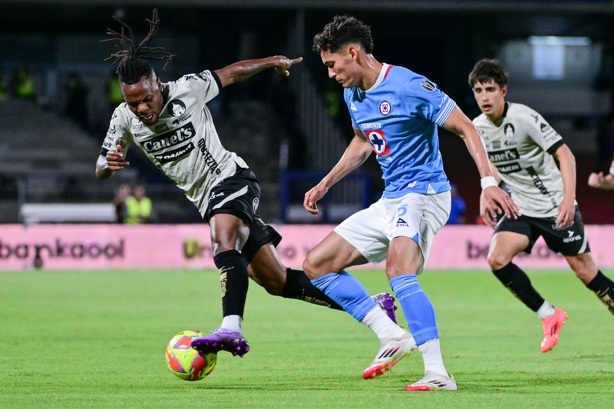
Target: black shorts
{"x":569,"y":242}
{"x":239,"y":195}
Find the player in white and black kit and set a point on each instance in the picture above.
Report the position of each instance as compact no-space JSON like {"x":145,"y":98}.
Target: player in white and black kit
{"x":171,"y":124}
{"x":524,"y":150}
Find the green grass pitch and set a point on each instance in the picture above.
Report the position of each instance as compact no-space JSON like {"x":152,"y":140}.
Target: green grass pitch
{"x":96,"y":339}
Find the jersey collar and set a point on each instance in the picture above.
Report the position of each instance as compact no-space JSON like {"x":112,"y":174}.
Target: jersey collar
{"x":382,"y":74}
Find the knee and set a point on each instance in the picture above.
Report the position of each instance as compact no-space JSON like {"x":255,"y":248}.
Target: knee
{"x":496,"y":261}
{"x":583,"y":266}
{"x":310,"y":266}
{"x":585,"y":273}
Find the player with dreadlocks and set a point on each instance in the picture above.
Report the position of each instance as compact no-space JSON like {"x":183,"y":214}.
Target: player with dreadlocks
{"x":171,"y":124}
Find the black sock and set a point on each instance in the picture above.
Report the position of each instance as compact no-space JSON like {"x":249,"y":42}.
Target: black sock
{"x":298,"y":286}
{"x":233,"y":280}
{"x":604,"y":288}
{"x":517,"y":281}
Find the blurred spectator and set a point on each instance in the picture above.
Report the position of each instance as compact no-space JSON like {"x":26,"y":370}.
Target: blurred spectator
{"x":23,"y":84}
{"x":114,"y":92}
{"x":119,"y":201}
{"x":139,"y":207}
{"x":4,"y":90}
{"x":458,"y":208}
{"x":76,"y":99}
{"x":332,"y":99}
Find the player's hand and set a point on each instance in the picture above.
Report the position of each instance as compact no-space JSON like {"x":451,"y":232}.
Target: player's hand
{"x":311,"y":199}
{"x":115,"y":159}
{"x":284,"y":64}
{"x":595,"y":179}
{"x":566,"y":214}
{"x":495,"y":202}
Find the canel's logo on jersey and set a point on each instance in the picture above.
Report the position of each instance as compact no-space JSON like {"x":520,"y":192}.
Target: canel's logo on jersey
{"x":384,"y":107}
{"x":378,"y":141}
{"x":176,"y":107}
{"x":171,"y":139}
{"x":428,"y":86}
{"x":352,"y":107}
{"x":505,"y":155}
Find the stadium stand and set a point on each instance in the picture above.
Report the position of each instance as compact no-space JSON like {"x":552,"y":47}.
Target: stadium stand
{"x":46,"y":158}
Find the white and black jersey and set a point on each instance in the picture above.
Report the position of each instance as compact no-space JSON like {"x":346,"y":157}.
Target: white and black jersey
{"x":521,"y":148}
{"x":184,"y":143}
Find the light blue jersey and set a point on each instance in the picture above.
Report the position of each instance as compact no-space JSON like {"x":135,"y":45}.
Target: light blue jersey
{"x":399,"y":115}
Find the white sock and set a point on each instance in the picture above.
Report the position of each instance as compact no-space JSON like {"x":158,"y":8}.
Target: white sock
{"x":381,"y":324}
{"x":546,"y":310}
{"x":232,"y":322}
{"x":431,"y":355}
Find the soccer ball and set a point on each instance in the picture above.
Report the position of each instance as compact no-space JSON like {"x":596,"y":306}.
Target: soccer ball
{"x":184,"y":361}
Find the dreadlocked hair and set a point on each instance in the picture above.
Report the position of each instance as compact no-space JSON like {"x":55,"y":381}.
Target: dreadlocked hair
{"x":129,"y":59}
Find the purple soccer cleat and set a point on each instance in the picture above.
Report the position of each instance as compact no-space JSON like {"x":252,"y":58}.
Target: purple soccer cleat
{"x":221,"y":339}
{"x":386,"y":302}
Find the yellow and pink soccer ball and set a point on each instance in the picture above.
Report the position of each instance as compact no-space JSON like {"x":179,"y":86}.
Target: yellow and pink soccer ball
{"x":184,"y":361}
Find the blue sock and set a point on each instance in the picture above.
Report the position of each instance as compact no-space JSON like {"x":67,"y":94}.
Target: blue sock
{"x":416,"y":306}
{"x":346,"y":291}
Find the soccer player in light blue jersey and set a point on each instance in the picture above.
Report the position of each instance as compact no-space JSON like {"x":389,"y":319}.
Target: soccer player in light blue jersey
{"x":395,"y":114}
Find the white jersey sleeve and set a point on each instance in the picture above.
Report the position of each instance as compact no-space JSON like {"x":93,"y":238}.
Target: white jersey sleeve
{"x":118,"y":132}
{"x":521,"y":147}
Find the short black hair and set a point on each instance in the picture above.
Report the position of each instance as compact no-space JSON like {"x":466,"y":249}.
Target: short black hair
{"x":130,"y":64}
{"x":489,"y":69}
{"x":341,"y":31}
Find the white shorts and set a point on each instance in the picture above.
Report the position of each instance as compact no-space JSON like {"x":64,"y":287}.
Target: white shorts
{"x":416,"y":216}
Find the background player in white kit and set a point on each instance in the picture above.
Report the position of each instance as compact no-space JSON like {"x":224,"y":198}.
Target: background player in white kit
{"x":395,"y":114}
{"x":171,"y":124}
{"x":523,"y":148}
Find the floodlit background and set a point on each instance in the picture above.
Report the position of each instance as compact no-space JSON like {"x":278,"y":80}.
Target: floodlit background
{"x":559,"y":54}
{"x":87,"y":305}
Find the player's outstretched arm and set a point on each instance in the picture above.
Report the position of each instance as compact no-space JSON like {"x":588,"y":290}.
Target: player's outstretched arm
{"x":242,"y":70}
